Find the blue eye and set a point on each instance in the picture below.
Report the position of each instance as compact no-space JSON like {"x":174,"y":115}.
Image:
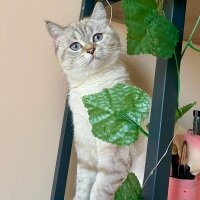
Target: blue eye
{"x":75,"y":46}
{"x":97,"y":37}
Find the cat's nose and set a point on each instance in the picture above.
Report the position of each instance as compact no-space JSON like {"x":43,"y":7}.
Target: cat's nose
{"x":91,"y":50}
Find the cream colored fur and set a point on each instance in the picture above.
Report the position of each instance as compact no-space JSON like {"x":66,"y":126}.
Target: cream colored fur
{"x":101,"y":166}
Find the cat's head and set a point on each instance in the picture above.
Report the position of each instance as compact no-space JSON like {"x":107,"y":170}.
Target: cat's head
{"x":87,"y":47}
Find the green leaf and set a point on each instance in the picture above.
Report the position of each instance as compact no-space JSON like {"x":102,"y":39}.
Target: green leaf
{"x":148,"y":31}
{"x":181,"y":111}
{"x":116,"y":114}
{"x":130,"y":189}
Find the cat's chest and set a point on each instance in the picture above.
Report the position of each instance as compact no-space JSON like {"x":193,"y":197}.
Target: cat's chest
{"x":76,"y":94}
{"x":84,"y":140}
{"x":82,"y":126}
{"x":80,"y":114}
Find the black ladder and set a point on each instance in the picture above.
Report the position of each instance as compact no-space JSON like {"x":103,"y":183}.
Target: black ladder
{"x":164,"y":104}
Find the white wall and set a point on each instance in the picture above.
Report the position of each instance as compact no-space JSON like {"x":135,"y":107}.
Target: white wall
{"x":32,"y":96}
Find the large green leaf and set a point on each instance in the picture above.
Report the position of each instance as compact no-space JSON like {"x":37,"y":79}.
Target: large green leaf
{"x":149,"y":32}
{"x":181,"y":111}
{"x":130,"y":189}
{"x":116,"y":114}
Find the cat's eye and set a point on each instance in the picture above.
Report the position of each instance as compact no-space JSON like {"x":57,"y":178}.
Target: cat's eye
{"x":97,"y":37}
{"x":75,"y":46}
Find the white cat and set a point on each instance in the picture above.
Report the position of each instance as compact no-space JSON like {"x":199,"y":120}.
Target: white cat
{"x":88,"y":52}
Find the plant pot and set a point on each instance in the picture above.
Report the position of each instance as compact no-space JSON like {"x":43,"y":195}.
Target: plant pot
{"x":182,"y":189}
{"x":198,"y":178}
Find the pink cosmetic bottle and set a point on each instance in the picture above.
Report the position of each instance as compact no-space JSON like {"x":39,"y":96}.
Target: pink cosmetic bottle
{"x":183,"y":189}
{"x":198,"y":178}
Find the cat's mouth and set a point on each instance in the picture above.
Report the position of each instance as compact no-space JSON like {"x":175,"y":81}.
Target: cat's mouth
{"x":93,"y":59}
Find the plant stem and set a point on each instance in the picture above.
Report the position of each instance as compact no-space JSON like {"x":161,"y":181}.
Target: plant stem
{"x":188,"y":44}
{"x":190,"y":38}
{"x":135,"y":124}
{"x":160,"y":6}
{"x":192,"y":47}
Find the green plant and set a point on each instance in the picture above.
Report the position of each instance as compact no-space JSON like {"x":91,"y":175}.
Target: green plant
{"x":116,"y":113}
{"x":127,"y":191}
{"x":181,"y":111}
{"x":149,"y":32}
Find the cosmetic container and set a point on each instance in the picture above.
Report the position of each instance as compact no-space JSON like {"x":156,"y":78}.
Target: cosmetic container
{"x":183,"y":189}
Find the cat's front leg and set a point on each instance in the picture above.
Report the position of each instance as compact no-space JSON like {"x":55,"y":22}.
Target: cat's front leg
{"x":113,"y":167}
{"x":84,"y":182}
{"x":106,"y":185}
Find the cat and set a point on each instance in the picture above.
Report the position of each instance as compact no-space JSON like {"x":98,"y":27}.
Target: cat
{"x":88,"y":52}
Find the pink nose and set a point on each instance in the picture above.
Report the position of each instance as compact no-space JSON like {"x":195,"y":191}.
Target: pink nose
{"x":91,"y":51}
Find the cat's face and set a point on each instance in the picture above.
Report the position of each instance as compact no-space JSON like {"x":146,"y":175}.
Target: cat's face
{"x":87,"y":47}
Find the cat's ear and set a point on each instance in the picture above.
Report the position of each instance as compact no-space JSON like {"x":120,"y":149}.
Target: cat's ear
{"x":54,"y":29}
{"x":99,"y":12}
